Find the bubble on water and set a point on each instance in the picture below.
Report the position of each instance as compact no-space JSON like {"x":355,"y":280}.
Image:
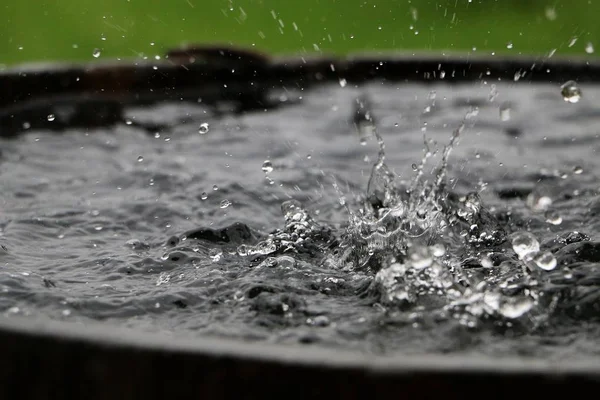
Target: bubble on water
{"x":204,"y":196}
{"x":509,"y":45}
{"x":140,"y":158}
{"x":524,"y":243}
{"x":51,"y":117}
{"x":215,"y":187}
{"x":571,"y":92}
{"x":267,"y":167}
{"x":577,"y":170}
{"x":552,"y":217}
{"x":514,"y":308}
{"x":225,"y":203}
{"x":545,"y":261}
{"x":96,"y":53}
{"x":215,"y":255}
{"x":203,"y":128}
{"x":505,"y":109}
{"x":589,"y":48}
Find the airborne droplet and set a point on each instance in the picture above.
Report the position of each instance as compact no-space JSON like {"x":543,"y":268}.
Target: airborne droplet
{"x":225,"y":203}
{"x":267,"y":167}
{"x":524,"y":243}
{"x":571,"y":92}
{"x":545,"y":261}
{"x":96,"y":53}
{"x":203,"y":129}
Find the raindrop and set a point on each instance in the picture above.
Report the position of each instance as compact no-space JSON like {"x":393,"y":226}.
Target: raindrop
{"x":140,"y":159}
{"x":51,"y":117}
{"x":589,"y":48}
{"x":215,"y":255}
{"x":577,"y":170}
{"x":516,"y":308}
{"x":96,"y":53}
{"x":545,"y":261}
{"x":505,"y":112}
{"x":573,"y":41}
{"x":267,"y":167}
{"x":552,"y":217}
{"x":203,"y":129}
{"x":509,"y":45}
{"x":571,"y":92}
{"x":225,"y":203}
{"x":343,"y":82}
{"x":215,"y":187}
{"x":204,"y":196}
{"x":525,"y":243}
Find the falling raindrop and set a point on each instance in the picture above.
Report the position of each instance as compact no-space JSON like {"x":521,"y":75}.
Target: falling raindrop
{"x":51,"y":117}
{"x":525,"y":243}
{"x":203,"y":129}
{"x":577,"y":170}
{"x":140,"y":159}
{"x":571,"y":92}
{"x":343,"y":82}
{"x":96,"y":53}
{"x":589,"y":48}
{"x":215,"y":187}
{"x":552,"y":217}
{"x":204,"y":196}
{"x":505,"y":112}
{"x":509,"y":45}
{"x":225,"y":203}
{"x":545,"y":261}
{"x":267,"y":167}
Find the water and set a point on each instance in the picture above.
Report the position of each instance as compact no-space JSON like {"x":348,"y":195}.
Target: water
{"x":352,"y":219}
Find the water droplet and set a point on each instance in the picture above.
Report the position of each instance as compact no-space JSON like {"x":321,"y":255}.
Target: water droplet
{"x":215,"y":255}
{"x":204,"y":196}
{"x":505,"y":112}
{"x":96,"y":53}
{"x":414,"y":167}
{"x":215,"y":187}
{"x":552,"y":217}
{"x":509,"y":45}
{"x":267,"y":167}
{"x":577,"y":170}
{"x":545,"y":261}
{"x":242,"y":250}
{"x":51,"y":117}
{"x":157,"y":135}
{"x":225,"y":203}
{"x":308,"y":157}
{"x":571,"y":92}
{"x":343,"y":82}
{"x":203,"y":129}
{"x":525,"y":243}
{"x":140,"y":159}
{"x":537,"y":201}
{"x":515,"y":308}
{"x":573,"y":41}
{"x":589,"y":48}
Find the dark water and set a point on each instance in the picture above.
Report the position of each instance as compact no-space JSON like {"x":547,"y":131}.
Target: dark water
{"x":112,"y":224}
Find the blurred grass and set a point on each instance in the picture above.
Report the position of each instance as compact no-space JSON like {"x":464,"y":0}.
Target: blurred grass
{"x":33,"y":30}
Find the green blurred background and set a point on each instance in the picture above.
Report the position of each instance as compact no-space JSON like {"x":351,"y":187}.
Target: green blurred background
{"x":33,"y":30}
